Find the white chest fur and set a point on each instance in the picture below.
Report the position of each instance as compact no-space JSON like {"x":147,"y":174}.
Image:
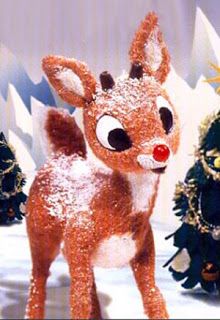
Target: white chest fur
{"x":115,"y":252}
{"x":143,"y":187}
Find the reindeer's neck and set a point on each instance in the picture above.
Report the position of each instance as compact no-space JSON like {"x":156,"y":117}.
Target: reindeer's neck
{"x":143,"y":188}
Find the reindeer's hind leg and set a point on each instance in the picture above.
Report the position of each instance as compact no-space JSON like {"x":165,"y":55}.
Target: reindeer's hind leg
{"x":45,"y":244}
{"x":144,"y":269}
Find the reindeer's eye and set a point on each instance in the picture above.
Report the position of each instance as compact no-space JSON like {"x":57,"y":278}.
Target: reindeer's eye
{"x":166,"y":114}
{"x":111,"y":134}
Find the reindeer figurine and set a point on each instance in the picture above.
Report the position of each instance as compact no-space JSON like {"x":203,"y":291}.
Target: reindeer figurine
{"x":100,"y":212}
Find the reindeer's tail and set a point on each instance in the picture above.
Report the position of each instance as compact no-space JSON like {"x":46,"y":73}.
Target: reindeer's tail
{"x":63,"y":134}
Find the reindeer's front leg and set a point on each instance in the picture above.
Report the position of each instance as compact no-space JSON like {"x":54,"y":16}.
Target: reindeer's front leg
{"x":83,"y":297}
{"x":144,"y":271}
{"x":84,"y":302}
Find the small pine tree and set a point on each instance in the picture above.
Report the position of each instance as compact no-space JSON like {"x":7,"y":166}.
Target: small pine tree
{"x":12,"y":180}
{"x":197,"y":203}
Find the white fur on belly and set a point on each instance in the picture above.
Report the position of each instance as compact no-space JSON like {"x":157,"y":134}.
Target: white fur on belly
{"x":115,"y":252}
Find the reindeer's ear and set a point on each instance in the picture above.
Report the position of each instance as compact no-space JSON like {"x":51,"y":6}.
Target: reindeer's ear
{"x":149,"y":50}
{"x":71,"y":79}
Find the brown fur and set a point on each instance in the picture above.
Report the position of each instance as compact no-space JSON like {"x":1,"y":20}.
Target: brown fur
{"x":49,"y":65}
{"x":83,"y":205}
{"x":137,"y":53}
{"x":63,"y":134}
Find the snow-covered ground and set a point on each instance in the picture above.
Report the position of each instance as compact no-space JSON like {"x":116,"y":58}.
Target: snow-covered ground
{"x":117,"y":290}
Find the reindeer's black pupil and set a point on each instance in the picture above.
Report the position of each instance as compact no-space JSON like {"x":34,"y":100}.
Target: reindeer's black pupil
{"x":166,"y":118}
{"x":119,"y":140}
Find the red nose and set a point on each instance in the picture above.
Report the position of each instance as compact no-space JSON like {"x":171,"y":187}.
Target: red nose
{"x":161,"y":153}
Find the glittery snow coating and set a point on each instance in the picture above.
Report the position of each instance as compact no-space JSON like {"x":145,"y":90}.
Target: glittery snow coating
{"x":127,"y":94}
{"x":73,"y":184}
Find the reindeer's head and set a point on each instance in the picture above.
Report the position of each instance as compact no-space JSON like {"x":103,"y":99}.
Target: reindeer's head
{"x":130,"y":124}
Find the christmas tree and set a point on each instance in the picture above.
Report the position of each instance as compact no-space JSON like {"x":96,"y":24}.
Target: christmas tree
{"x":12,"y":180}
{"x":197,"y":203}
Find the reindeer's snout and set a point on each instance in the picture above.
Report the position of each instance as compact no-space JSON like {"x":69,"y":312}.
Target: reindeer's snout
{"x":155,"y":159}
{"x":161,"y":153}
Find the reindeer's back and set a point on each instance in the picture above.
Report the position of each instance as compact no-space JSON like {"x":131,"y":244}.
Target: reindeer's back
{"x":73,"y":188}
{"x":64,"y":187}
